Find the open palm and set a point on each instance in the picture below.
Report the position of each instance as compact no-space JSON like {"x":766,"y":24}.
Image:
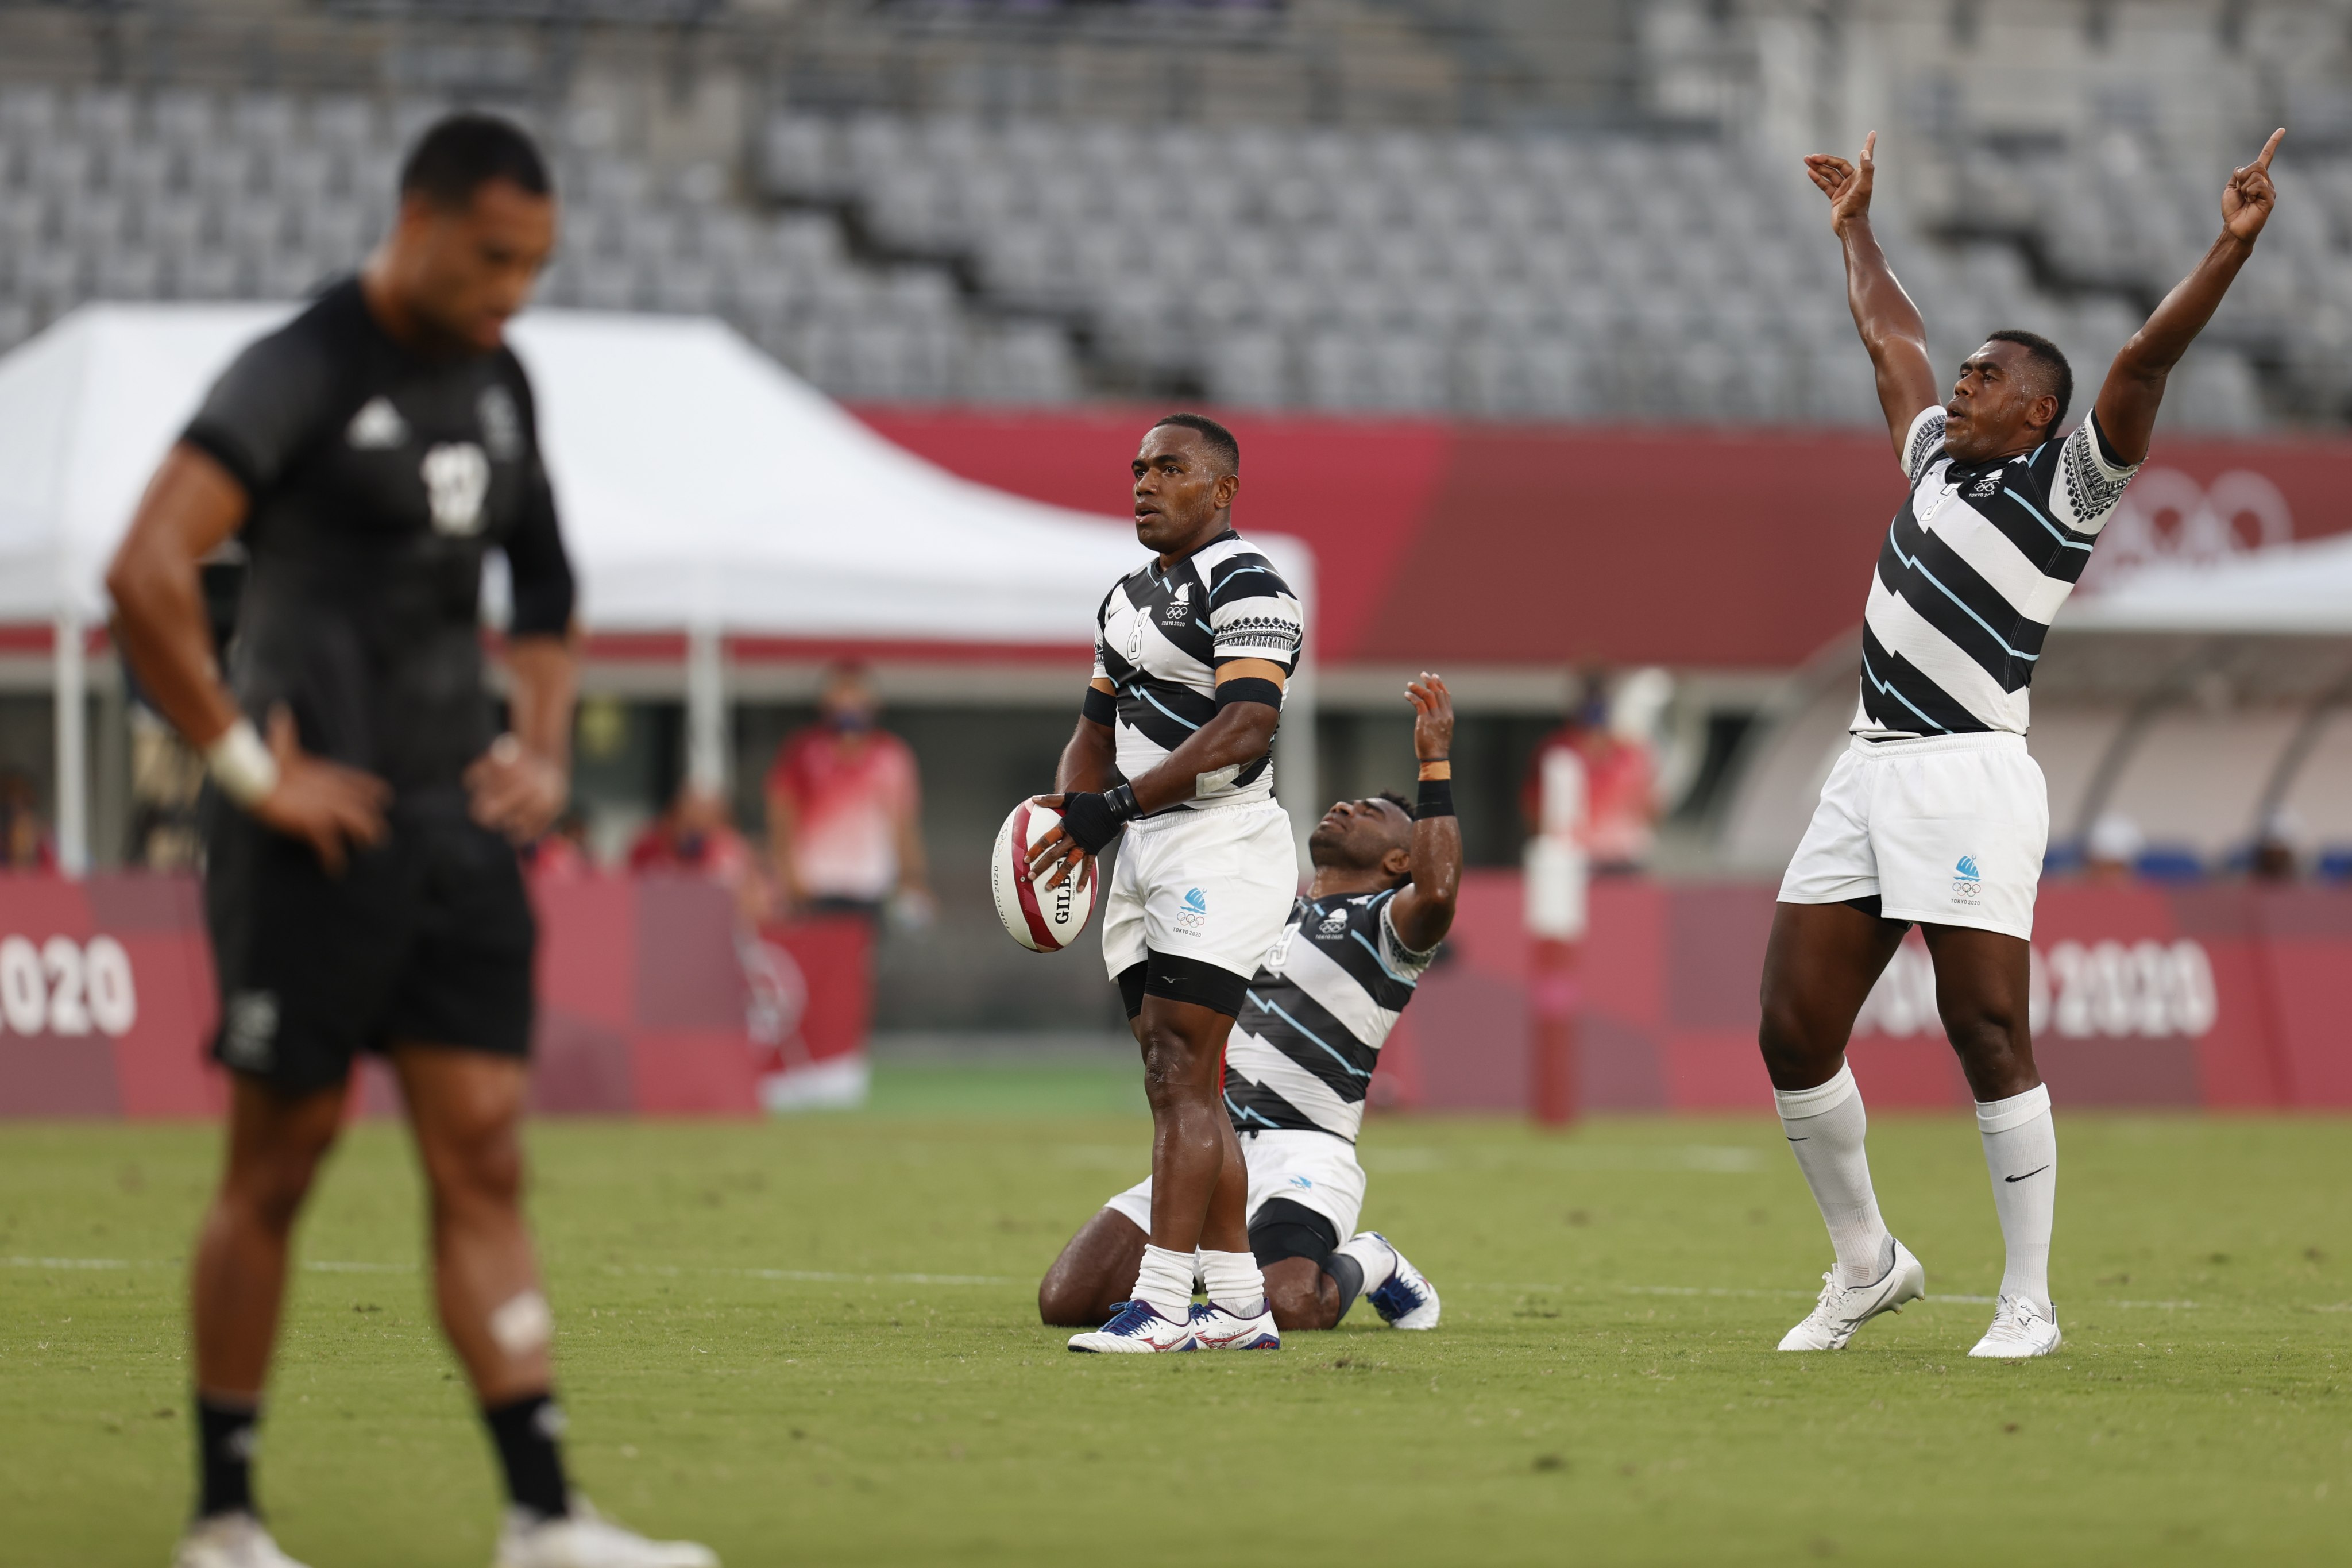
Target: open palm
{"x":1847,"y":185}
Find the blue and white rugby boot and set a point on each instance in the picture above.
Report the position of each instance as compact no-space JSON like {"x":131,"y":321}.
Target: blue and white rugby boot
{"x":1407,"y":1299}
{"x":1136,"y":1328}
{"x":1216,"y":1328}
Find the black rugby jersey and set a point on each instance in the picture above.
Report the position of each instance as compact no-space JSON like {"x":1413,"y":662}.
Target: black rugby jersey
{"x":377,"y":479}
{"x":1970,"y":576}
{"x":1301,"y":1054}
{"x":1159,"y":639}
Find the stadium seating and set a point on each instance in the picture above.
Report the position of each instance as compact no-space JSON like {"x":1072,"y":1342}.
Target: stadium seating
{"x":894,"y":256}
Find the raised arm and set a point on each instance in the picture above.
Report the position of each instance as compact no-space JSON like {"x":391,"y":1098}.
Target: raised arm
{"x":1889,"y":323}
{"x":2135,"y":384}
{"x":1422,"y":912}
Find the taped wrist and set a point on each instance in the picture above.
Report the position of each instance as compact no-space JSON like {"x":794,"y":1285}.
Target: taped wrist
{"x":1092,"y":821}
{"x":1099,"y":706}
{"x":1437,"y":799}
{"x":241,"y":764}
{"x":1249,"y":689}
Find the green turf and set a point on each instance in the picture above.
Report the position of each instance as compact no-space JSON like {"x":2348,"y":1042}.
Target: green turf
{"x":810,"y":1342}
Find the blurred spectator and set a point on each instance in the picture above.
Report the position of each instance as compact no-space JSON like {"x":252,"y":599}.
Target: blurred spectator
{"x":562,"y":854}
{"x":24,"y":841}
{"x":167,"y":778}
{"x":845,"y":810}
{"x":2112,"y":852}
{"x":1621,"y":798}
{"x":695,"y":838}
{"x":2275,"y":858}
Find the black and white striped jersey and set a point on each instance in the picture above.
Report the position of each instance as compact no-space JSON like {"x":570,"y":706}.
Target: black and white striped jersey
{"x":1971,"y":575}
{"x":1301,"y":1054}
{"x":1159,"y":639}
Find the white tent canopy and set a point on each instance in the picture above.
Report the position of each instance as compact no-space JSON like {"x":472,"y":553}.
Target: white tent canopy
{"x":703,"y":489}
{"x":2295,"y":589}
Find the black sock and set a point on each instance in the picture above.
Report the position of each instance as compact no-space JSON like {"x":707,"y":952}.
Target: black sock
{"x":525,"y":1432}
{"x":1349,"y":1275}
{"x":226,"y":1430}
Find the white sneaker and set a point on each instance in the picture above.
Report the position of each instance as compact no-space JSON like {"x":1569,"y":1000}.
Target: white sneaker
{"x":1136,"y":1328}
{"x":2020,"y":1329}
{"x":1408,"y":1301}
{"x":229,"y":1540}
{"x":1845,"y":1307}
{"x":586,"y":1539}
{"x":1216,"y":1328}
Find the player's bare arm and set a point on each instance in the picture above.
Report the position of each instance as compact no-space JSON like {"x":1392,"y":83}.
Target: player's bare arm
{"x":520,"y":784}
{"x":1241,"y":733}
{"x":2135,"y":384}
{"x":1889,"y":321}
{"x":1423,"y":912}
{"x":193,"y":507}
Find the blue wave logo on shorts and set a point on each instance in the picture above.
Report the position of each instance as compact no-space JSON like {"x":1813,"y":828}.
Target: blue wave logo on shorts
{"x":1967,"y":882}
{"x":1197,"y":901}
{"x":1301,"y":1183}
{"x":1966,"y":869}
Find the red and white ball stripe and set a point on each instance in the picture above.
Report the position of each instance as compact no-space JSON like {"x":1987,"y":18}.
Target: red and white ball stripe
{"x":1041,"y":919}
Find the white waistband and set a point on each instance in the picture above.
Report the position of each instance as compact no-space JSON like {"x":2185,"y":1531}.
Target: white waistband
{"x":1984,"y":740}
{"x":1199,"y":808}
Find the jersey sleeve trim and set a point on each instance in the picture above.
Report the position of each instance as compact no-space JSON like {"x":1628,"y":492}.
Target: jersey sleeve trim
{"x":1922,"y":441}
{"x":2092,"y":481}
{"x":1402,"y":962}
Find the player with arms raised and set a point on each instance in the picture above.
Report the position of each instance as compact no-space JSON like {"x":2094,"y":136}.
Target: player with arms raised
{"x":1302,"y":1057}
{"x":1935,"y":814}
{"x":1173,"y":758}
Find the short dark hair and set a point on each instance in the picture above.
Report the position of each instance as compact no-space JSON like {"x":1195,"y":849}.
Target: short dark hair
{"x":461,"y":152}
{"x":1220,"y":439}
{"x":1404,"y":806}
{"x":2044,"y":352}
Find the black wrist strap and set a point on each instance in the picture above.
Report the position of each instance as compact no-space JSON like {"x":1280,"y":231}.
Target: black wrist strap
{"x":1437,"y":799}
{"x":1120,"y":798}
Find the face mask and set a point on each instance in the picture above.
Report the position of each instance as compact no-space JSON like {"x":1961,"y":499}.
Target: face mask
{"x":853,"y":721}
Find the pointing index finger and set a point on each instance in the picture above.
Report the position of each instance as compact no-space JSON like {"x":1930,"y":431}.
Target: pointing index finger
{"x":2263,"y":163}
{"x":1870,"y":147}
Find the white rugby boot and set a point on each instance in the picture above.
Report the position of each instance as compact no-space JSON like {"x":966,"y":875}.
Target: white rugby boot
{"x":1408,"y":1301}
{"x":1216,"y":1328}
{"x":1845,"y":1307}
{"x":1136,"y":1328}
{"x":2020,"y":1329}
{"x":229,"y":1540}
{"x":586,"y":1539}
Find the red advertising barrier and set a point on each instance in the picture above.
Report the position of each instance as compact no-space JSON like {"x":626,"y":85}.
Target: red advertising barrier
{"x":2227,"y":996}
{"x":107,"y":1000}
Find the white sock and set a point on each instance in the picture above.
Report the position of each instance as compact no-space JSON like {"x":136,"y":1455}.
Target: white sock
{"x":2021,"y":1147}
{"x":1825,"y":1127}
{"x":1376,"y":1258}
{"x":1164,"y":1283}
{"x":1234,"y":1281}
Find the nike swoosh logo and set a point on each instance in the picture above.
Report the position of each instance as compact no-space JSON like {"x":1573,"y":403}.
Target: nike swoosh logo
{"x":1806,"y":1139}
{"x":2035,"y":1173}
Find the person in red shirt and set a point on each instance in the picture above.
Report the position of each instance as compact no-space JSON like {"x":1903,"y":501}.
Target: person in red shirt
{"x":695,"y":838}
{"x":1621,"y":793}
{"x":844,"y":809}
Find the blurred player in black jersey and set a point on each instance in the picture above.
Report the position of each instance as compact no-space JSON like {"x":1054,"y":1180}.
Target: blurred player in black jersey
{"x":362,"y":891}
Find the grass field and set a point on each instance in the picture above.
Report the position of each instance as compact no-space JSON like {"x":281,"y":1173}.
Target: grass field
{"x":814,"y":1342}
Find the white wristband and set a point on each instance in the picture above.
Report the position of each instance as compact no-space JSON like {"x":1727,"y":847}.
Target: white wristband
{"x":241,"y":764}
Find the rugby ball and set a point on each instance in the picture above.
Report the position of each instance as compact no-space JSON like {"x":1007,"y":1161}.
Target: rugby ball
{"x":1041,"y":919}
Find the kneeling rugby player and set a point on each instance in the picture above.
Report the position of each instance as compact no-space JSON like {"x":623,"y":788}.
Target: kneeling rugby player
{"x":1301,"y":1057}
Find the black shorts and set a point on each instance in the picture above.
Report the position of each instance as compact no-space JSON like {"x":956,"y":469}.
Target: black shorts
{"x":425,"y":939}
{"x":1282,"y":1228}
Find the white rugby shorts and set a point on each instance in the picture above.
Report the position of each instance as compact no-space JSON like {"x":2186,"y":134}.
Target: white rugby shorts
{"x":1313,"y":1170}
{"x":1215,"y":884}
{"x":1947,"y":830}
